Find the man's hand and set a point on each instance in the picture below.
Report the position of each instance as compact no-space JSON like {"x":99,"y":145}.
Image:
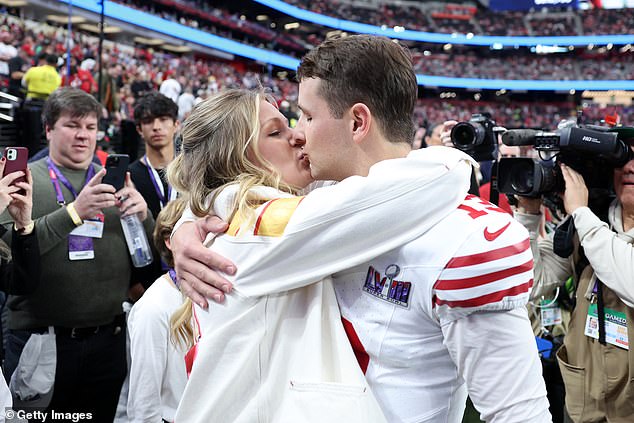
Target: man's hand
{"x":576,"y":193}
{"x":196,"y":266}
{"x":130,"y":201}
{"x":94,"y":197}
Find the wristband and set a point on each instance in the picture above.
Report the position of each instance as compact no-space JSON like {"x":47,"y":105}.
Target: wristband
{"x":70,"y":208}
{"x":25,"y":230}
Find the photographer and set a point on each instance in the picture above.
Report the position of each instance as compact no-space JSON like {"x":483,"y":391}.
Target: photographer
{"x":595,"y":362}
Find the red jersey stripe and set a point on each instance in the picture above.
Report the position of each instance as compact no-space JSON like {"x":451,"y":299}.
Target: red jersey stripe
{"x":359,"y":350}
{"x":473,"y":259}
{"x":257,"y":223}
{"x":446,"y":284}
{"x":190,"y":357}
{"x":489,"y":298}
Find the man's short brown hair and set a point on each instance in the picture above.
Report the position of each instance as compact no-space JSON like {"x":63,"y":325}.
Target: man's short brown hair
{"x":375,"y":71}
{"x":71,"y":101}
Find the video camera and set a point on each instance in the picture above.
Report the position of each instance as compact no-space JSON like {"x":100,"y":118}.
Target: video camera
{"x":593,"y":151}
{"x":477,"y":137}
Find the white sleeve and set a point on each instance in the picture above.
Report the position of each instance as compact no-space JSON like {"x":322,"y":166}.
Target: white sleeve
{"x":496,"y":355}
{"x":340,"y":226}
{"x":611,"y":257}
{"x":6,"y":400}
{"x":492,"y":270}
{"x":550,"y":270}
{"x":149,"y":340}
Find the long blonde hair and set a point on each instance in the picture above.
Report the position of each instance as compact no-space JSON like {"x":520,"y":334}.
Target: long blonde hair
{"x":216,"y":138}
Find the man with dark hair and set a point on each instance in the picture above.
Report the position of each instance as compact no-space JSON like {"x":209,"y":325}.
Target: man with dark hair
{"x":156,"y":122}
{"x":156,"y":119}
{"x":86,"y":266}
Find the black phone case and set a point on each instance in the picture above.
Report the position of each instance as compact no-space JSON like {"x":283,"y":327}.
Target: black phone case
{"x":116,"y":167}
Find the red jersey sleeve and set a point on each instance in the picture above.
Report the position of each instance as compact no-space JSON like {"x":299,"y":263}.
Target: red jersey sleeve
{"x":491,"y":270}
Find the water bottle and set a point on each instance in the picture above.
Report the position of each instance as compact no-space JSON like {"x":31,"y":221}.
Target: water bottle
{"x":136,"y":239}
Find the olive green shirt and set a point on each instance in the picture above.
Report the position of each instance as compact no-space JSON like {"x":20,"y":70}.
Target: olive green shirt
{"x":78,"y":293}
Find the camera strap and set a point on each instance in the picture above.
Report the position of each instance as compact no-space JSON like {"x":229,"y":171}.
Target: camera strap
{"x":563,"y":239}
{"x":598,"y":291}
{"x":494,"y":193}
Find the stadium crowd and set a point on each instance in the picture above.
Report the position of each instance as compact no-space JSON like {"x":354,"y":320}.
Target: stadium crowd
{"x":474,"y":64}
{"x":463,"y":61}
{"x":449,"y":18}
{"x":143,"y":69}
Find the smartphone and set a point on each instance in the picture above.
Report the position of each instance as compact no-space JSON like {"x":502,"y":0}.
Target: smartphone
{"x":17,"y":158}
{"x":116,"y":167}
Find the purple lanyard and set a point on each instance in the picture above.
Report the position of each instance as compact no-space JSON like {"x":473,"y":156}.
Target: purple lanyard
{"x":57,"y":177}
{"x":172,"y":274}
{"x":163,"y":199}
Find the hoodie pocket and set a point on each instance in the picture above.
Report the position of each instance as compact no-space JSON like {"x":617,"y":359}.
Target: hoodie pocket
{"x":329,"y":402}
{"x":574,"y":380}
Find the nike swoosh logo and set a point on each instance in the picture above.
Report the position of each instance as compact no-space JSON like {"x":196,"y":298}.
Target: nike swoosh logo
{"x":491,"y":236}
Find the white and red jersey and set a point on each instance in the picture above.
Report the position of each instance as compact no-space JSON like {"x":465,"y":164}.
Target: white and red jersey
{"x":428,"y":316}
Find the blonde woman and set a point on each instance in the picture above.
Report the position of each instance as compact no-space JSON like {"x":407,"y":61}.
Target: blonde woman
{"x":276,"y":350}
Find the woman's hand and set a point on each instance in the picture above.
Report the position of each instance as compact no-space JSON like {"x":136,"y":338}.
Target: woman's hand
{"x":21,"y":206}
{"x":17,"y":197}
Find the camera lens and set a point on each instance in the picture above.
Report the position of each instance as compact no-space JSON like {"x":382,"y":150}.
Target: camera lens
{"x":522,"y":177}
{"x":463,"y":134}
{"x":466,"y":135}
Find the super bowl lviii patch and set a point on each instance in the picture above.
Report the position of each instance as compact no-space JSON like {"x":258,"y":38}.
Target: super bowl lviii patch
{"x":387,"y":288}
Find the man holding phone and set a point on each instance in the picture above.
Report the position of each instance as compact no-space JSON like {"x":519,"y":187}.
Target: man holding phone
{"x":85,"y":262}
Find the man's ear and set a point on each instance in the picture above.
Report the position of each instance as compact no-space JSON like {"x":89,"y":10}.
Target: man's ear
{"x":361,"y":121}
{"x":138,"y":129}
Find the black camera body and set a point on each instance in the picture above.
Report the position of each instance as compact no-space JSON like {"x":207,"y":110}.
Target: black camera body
{"x":593,"y":151}
{"x":476,"y":137}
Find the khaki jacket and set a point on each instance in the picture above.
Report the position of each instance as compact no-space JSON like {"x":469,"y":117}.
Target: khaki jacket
{"x":599,"y":378}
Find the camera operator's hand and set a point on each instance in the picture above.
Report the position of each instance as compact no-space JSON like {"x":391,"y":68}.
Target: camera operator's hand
{"x":576,"y":192}
{"x":445,"y":135}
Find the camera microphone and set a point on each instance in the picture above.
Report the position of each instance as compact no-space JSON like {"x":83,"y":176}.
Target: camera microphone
{"x":519,"y":137}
